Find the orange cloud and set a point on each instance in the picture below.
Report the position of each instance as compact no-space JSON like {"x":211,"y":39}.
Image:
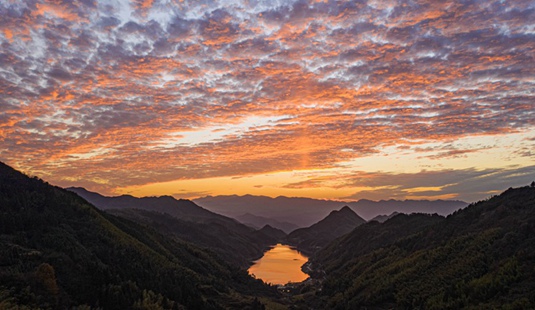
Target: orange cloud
{"x":107,"y":97}
{"x":56,"y":10}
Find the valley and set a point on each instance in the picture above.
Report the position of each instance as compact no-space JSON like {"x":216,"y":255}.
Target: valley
{"x":61,"y":250}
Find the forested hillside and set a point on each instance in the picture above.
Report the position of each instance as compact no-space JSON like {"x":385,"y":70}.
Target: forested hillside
{"x":480,"y":257}
{"x":235,"y":242}
{"x":58,"y":251}
{"x":180,"y":208}
{"x":231,"y":244}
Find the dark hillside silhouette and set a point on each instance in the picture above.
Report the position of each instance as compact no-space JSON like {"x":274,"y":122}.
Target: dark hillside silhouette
{"x":275,"y":233}
{"x":58,"y":251}
{"x":336,"y":224}
{"x":233,"y":241}
{"x":482,"y":256}
{"x":383,"y":218}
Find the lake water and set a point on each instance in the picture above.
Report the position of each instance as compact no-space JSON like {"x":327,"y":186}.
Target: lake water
{"x":280,"y":265}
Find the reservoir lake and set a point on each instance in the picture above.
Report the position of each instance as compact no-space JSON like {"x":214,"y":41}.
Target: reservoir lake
{"x":279,"y":265}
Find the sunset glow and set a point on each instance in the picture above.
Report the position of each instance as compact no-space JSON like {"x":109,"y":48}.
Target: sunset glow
{"x":323,"y":99}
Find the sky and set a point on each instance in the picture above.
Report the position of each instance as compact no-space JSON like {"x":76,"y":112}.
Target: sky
{"x":324,"y":99}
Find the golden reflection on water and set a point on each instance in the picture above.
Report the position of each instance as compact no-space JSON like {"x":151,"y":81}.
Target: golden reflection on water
{"x":280,"y":265}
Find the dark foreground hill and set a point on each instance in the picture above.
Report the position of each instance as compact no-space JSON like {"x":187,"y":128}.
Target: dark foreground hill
{"x":57,"y":251}
{"x":480,"y":257}
{"x":234,"y":242}
{"x":336,"y":224}
{"x":274,"y":233}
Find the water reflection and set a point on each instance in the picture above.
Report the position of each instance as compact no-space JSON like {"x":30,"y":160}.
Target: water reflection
{"x":280,"y":265}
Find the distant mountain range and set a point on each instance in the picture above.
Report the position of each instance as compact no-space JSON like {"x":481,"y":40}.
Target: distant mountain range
{"x":384,"y":217}
{"x":336,"y":224}
{"x":303,"y":212}
{"x":260,"y":221}
{"x":369,"y":209}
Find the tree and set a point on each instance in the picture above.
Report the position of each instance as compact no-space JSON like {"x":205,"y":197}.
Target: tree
{"x":47,"y":277}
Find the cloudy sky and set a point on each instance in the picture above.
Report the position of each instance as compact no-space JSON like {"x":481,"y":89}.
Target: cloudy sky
{"x":325,"y":99}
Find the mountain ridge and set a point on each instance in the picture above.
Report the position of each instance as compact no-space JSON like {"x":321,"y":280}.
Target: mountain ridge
{"x":480,"y":256}
{"x":260,"y":221}
{"x":303,"y":212}
{"x":384,"y":217}
{"x":180,"y":208}
{"x":334,"y":225}
{"x":275,"y":233}
{"x":232,"y":240}
{"x":57,"y":251}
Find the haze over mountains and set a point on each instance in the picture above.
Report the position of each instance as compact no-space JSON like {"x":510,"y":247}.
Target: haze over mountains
{"x":260,"y":221}
{"x":303,"y":212}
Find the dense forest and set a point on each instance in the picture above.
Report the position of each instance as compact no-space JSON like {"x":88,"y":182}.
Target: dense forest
{"x":480,"y":257}
{"x":233,"y":242}
{"x":57,"y":251}
{"x":236,"y":243}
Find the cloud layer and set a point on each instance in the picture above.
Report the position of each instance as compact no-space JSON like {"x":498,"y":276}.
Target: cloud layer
{"x":110,"y":94}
